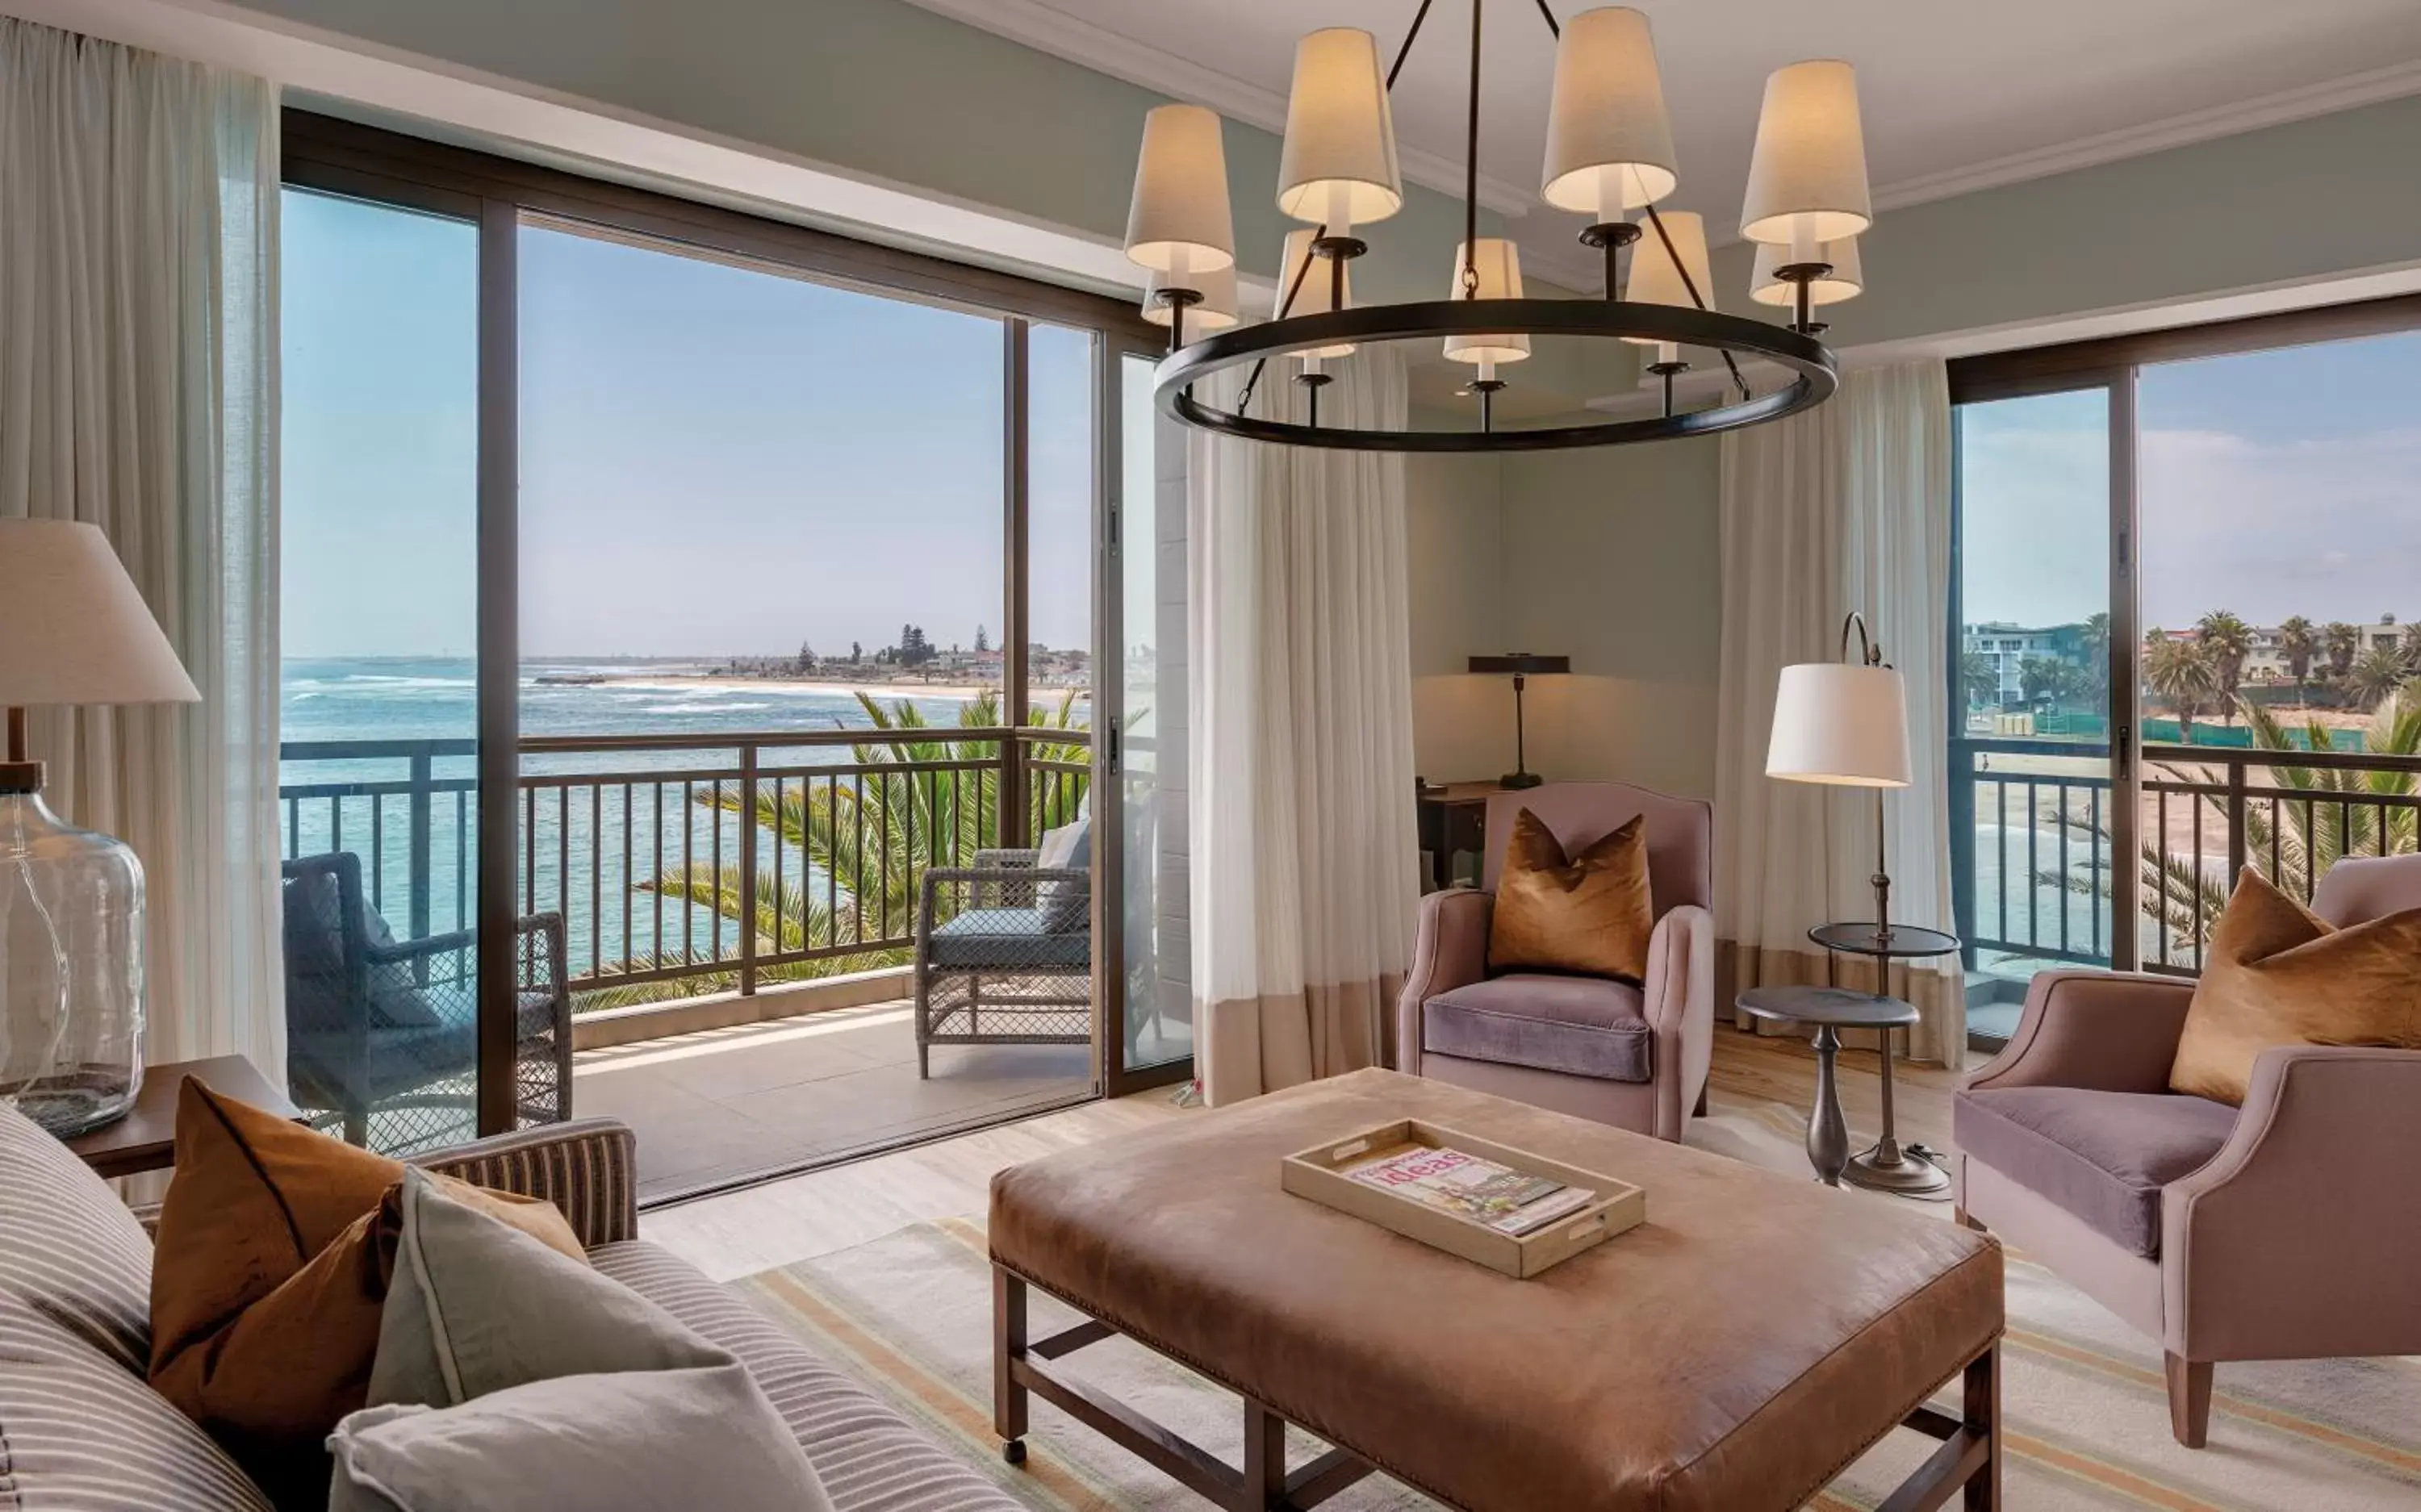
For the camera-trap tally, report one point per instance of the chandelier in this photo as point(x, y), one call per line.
point(1609, 155)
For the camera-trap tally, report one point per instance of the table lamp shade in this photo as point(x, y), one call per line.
point(73, 627)
point(1840, 723)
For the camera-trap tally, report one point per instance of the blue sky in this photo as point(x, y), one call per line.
point(2271, 484)
point(714, 459)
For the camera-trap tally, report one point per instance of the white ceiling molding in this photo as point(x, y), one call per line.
point(498, 111)
point(1047, 29)
point(2394, 81)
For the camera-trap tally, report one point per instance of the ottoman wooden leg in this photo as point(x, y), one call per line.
point(1007, 1346)
point(1265, 1474)
point(1968, 1464)
point(1982, 1409)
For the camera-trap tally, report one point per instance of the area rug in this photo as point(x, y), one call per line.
point(2086, 1416)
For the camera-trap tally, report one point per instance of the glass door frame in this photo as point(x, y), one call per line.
point(498, 194)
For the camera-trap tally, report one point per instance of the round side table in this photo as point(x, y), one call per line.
point(1829, 1009)
point(1888, 1167)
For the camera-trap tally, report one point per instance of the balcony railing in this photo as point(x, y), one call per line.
point(685, 864)
point(2033, 866)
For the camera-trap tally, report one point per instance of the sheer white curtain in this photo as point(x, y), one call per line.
point(1304, 859)
point(138, 391)
point(1845, 507)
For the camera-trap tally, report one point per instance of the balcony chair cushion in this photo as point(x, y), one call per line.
point(268, 1287)
point(1579, 1025)
point(1066, 905)
point(1007, 940)
point(2102, 1156)
point(1590, 913)
point(316, 968)
point(2281, 974)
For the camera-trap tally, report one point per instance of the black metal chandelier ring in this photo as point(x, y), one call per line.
point(1804, 355)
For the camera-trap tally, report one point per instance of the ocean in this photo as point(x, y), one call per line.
point(584, 847)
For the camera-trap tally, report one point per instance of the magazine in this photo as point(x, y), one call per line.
point(1509, 1201)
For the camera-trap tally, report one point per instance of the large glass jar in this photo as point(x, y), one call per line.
point(71, 964)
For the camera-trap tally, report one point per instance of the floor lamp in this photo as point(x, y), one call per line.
point(1844, 723)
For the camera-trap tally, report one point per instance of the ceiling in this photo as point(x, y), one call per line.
point(1957, 94)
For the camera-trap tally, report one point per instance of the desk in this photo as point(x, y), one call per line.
point(1453, 821)
point(146, 1138)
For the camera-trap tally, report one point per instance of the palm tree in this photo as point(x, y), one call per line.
point(2300, 639)
point(2376, 674)
point(2180, 672)
point(2344, 644)
point(2410, 648)
point(2226, 641)
point(2094, 645)
point(1980, 675)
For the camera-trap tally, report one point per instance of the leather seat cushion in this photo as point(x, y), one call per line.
point(1578, 1025)
point(2102, 1156)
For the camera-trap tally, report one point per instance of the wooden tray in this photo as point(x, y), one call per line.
point(1314, 1173)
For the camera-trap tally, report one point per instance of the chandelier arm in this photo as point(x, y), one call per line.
point(1548, 11)
point(1674, 255)
point(1405, 51)
point(1244, 399)
point(1471, 169)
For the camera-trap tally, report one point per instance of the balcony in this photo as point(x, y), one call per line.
point(2033, 875)
point(738, 922)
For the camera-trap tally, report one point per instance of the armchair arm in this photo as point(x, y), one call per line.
point(2297, 1239)
point(2101, 1030)
point(587, 1168)
point(1679, 997)
point(1450, 950)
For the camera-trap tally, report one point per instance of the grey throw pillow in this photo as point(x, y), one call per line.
point(671, 1441)
point(1066, 904)
point(553, 1386)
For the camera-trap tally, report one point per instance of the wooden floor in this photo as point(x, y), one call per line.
point(784, 1222)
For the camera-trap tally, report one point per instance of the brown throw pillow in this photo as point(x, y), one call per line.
point(269, 1273)
point(2280, 975)
point(1590, 914)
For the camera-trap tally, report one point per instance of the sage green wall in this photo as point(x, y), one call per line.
point(1462, 726)
point(883, 88)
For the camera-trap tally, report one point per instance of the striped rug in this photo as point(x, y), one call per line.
point(2086, 1416)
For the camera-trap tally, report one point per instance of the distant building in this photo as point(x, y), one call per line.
point(2009, 646)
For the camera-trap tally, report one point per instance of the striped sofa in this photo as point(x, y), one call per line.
point(80, 1431)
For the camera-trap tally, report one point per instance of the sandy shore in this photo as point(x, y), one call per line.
point(680, 682)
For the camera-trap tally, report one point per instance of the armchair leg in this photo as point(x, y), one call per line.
point(2190, 1400)
point(1700, 1110)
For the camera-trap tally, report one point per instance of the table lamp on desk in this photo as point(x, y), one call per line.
point(1522, 667)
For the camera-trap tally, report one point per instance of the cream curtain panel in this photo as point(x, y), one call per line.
point(1847, 507)
point(1305, 858)
point(138, 391)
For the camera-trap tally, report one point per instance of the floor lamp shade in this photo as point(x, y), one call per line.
point(1840, 723)
point(73, 631)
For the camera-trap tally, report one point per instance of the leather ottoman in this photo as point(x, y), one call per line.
point(1735, 1352)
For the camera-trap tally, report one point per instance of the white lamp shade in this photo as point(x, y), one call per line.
point(1499, 267)
point(1656, 279)
point(1808, 176)
point(1339, 157)
point(73, 627)
point(1841, 724)
point(1180, 218)
point(1315, 295)
point(1846, 281)
point(1609, 142)
point(1216, 310)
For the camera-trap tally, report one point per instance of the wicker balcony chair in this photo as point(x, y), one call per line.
point(1004, 955)
point(380, 1027)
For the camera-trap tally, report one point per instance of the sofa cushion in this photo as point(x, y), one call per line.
point(69, 1250)
point(2102, 1156)
point(79, 1431)
point(869, 1455)
point(1579, 1025)
point(1006, 940)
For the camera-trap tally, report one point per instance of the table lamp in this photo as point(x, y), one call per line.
point(1522, 665)
point(73, 631)
point(1844, 723)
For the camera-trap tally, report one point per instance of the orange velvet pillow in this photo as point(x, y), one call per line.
point(1590, 914)
point(2280, 975)
point(269, 1276)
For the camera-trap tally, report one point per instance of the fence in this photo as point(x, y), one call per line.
point(690, 863)
point(2033, 866)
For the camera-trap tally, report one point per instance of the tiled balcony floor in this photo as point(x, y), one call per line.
point(726, 1104)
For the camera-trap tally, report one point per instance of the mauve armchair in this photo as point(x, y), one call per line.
point(2286, 1229)
point(1634, 1057)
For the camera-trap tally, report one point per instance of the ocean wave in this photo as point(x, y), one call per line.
point(402, 684)
point(699, 709)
